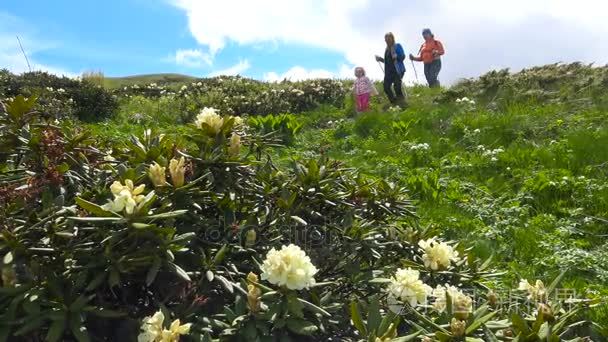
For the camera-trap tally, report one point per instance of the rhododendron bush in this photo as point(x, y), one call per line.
point(207, 238)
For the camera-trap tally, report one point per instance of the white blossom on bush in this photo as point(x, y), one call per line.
point(436, 254)
point(211, 118)
point(420, 147)
point(289, 267)
point(177, 170)
point(407, 286)
point(536, 292)
point(461, 303)
point(126, 197)
point(157, 174)
point(152, 329)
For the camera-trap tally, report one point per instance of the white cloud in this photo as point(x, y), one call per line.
point(478, 34)
point(234, 70)
point(192, 58)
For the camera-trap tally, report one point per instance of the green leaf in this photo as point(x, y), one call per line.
point(443, 337)
point(170, 214)
point(310, 306)
point(31, 325)
point(555, 282)
point(95, 219)
point(544, 331)
point(373, 314)
point(471, 328)
point(93, 208)
point(219, 256)
point(56, 330)
point(294, 305)
point(407, 338)
point(227, 284)
point(105, 313)
point(79, 331)
point(380, 281)
point(178, 270)
point(355, 316)
point(299, 220)
point(153, 271)
point(96, 281)
point(301, 327)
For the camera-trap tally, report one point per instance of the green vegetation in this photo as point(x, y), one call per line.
point(165, 79)
point(432, 222)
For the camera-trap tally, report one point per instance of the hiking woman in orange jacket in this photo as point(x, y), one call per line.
point(430, 54)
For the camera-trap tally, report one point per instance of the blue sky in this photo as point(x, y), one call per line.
point(126, 37)
point(272, 39)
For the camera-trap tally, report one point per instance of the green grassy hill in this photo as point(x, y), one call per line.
point(117, 82)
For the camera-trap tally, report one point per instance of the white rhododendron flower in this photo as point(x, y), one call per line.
point(152, 329)
point(157, 174)
point(437, 254)
point(126, 197)
point(290, 267)
point(235, 144)
point(177, 170)
point(536, 292)
point(407, 286)
point(461, 303)
point(211, 118)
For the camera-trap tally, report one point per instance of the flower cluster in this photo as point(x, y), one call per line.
point(289, 267)
point(488, 153)
point(536, 292)
point(407, 286)
point(436, 254)
point(127, 197)
point(465, 101)
point(420, 147)
point(209, 117)
point(152, 329)
point(461, 303)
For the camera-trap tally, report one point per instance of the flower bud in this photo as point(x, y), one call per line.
point(462, 306)
point(177, 169)
point(458, 327)
point(253, 294)
point(492, 298)
point(235, 145)
point(250, 238)
point(9, 277)
point(157, 174)
point(546, 311)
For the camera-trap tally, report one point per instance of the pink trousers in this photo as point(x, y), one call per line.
point(363, 102)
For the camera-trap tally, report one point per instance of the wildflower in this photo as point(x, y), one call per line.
point(152, 329)
point(289, 267)
point(536, 292)
point(235, 145)
point(238, 121)
point(8, 276)
point(407, 286)
point(250, 238)
point(209, 117)
point(462, 304)
point(437, 254)
point(458, 327)
point(157, 174)
point(126, 197)
point(253, 293)
point(177, 169)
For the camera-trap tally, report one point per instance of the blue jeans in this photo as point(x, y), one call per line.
point(431, 72)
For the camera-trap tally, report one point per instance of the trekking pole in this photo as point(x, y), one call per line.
point(381, 67)
point(415, 72)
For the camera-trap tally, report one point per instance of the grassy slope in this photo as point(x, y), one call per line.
point(540, 206)
point(117, 82)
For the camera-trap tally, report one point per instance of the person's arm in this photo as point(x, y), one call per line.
point(400, 53)
point(440, 49)
point(379, 59)
point(419, 57)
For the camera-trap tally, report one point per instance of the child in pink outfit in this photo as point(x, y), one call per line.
point(363, 90)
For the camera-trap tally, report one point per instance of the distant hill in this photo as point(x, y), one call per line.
point(117, 82)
